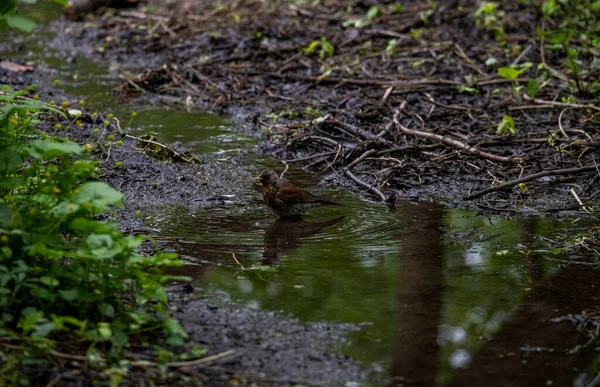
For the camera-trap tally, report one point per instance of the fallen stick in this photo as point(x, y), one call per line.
point(561, 104)
point(369, 187)
point(454, 143)
point(511, 183)
point(356, 130)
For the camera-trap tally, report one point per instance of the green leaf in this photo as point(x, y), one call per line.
point(104, 330)
point(119, 338)
point(506, 125)
point(98, 194)
point(490, 61)
point(395, 8)
point(467, 89)
point(373, 12)
point(10, 161)
point(532, 88)
point(49, 149)
point(107, 310)
point(20, 22)
point(509, 72)
point(49, 281)
point(7, 6)
point(64, 3)
point(31, 317)
point(326, 48)
point(5, 216)
point(64, 208)
point(44, 329)
point(311, 47)
point(69, 294)
point(86, 226)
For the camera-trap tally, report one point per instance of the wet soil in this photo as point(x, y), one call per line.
point(406, 104)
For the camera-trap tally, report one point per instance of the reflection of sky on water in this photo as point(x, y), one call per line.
point(459, 358)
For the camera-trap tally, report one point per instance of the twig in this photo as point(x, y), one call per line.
point(287, 166)
point(142, 15)
point(177, 154)
point(203, 18)
point(356, 130)
point(310, 157)
point(147, 363)
point(365, 185)
point(361, 158)
point(454, 107)
point(522, 54)
point(562, 104)
point(141, 363)
point(454, 143)
point(528, 178)
point(238, 262)
point(560, 124)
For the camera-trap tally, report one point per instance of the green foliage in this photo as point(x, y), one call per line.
point(372, 13)
point(491, 18)
point(467, 90)
point(326, 48)
point(427, 14)
point(62, 271)
point(507, 125)
point(532, 88)
point(390, 49)
point(9, 18)
point(575, 33)
point(513, 73)
point(509, 72)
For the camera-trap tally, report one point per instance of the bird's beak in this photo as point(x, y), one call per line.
point(258, 178)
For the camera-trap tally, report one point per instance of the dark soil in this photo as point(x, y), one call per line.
point(413, 117)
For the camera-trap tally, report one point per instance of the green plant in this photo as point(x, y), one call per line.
point(513, 73)
point(491, 18)
point(427, 14)
point(507, 125)
point(10, 19)
point(574, 32)
point(372, 13)
point(326, 48)
point(64, 273)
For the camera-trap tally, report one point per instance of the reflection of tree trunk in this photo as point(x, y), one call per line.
point(501, 362)
point(419, 295)
point(534, 266)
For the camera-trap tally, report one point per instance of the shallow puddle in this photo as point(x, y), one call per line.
point(444, 296)
point(433, 286)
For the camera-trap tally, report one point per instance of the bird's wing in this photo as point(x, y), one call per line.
point(289, 192)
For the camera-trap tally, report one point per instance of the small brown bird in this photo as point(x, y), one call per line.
point(285, 199)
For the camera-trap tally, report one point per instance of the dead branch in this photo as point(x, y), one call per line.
point(454, 143)
point(512, 183)
point(361, 183)
point(561, 104)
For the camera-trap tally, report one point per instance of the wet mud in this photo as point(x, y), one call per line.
point(403, 105)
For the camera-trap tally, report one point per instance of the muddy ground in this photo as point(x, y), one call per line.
point(405, 103)
point(356, 117)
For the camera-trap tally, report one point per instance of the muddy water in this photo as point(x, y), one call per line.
point(444, 297)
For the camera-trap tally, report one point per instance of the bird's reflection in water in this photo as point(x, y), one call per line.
point(285, 235)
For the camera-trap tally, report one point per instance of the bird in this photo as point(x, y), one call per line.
point(285, 199)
